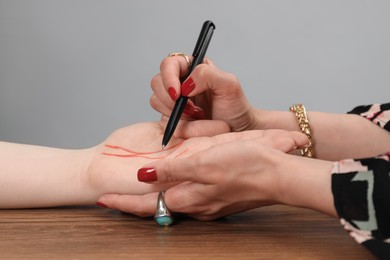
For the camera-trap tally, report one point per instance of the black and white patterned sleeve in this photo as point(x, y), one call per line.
point(361, 190)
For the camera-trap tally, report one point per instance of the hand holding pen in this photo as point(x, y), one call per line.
point(217, 94)
point(198, 56)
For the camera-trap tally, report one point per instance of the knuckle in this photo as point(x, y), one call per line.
point(233, 78)
point(153, 101)
point(234, 83)
point(170, 168)
point(201, 70)
point(154, 82)
point(164, 62)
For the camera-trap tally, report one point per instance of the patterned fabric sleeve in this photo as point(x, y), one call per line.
point(378, 114)
point(361, 190)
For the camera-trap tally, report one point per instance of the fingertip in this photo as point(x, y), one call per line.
point(198, 113)
point(101, 204)
point(188, 86)
point(107, 201)
point(147, 174)
point(208, 62)
point(301, 139)
point(173, 93)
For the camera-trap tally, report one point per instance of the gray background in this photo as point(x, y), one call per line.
point(71, 72)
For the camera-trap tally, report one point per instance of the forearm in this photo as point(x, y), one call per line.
point(35, 176)
point(336, 136)
point(308, 185)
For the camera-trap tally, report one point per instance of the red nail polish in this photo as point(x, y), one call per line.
point(189, 109)
point(172, 93)
point(187, 86)
point(198, 113)
point(147, 174)
point(100, 204)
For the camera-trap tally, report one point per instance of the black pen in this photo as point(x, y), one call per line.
point(198, 55)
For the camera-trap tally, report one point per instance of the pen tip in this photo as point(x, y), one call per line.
point(163, 146)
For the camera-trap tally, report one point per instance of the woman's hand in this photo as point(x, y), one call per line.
point(115, 162)
point(214, 94)
point(239, 172)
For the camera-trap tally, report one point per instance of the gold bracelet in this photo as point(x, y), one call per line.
point(300, 113)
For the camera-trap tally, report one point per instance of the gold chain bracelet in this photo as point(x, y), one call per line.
point(303, 123)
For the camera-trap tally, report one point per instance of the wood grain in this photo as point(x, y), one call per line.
point(275, 232)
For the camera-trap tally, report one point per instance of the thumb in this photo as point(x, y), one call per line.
point(170, 171)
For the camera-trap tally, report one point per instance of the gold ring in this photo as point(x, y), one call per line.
point(181, 54)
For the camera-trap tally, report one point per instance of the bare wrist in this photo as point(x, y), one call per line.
point(84, 193)
point(306, 182)
point(257, 119)
point(272, 119)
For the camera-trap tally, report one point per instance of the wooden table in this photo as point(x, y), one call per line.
point(276, 232)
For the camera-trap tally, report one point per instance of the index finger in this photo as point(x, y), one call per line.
point(172, 69)
point(139, 205)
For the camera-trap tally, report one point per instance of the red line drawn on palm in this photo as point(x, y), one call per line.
point(154, 155)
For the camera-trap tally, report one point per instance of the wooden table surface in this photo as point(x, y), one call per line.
point(276, 232)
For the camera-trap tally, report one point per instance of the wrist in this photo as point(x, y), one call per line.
point(84, 194)
point(257, 119)
point(308, 185)
point(272, 119)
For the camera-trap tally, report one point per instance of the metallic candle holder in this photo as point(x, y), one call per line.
point(163, 216)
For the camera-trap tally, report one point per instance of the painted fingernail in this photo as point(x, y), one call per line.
point(187, 86)
point(198, 113)
point(189, 109)
point(100, 204)
point(147, 174)
point(172, 93)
